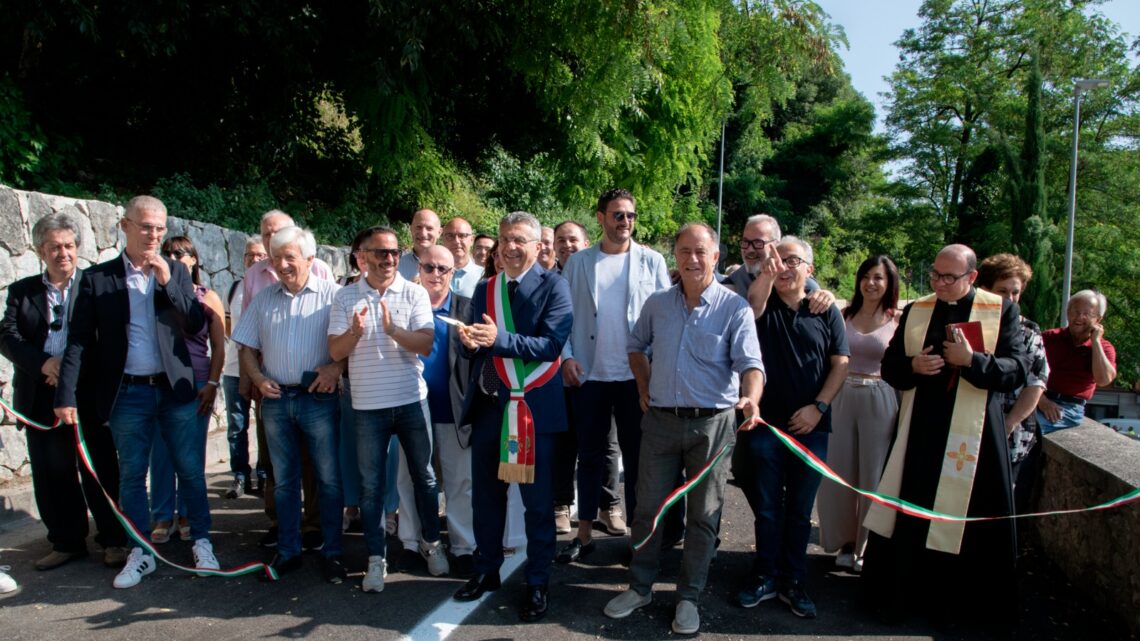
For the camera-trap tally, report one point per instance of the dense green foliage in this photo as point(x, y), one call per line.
point(351, 113)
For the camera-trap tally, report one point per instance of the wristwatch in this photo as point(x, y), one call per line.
point(821, 406)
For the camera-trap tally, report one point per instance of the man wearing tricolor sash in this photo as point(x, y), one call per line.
point(951, 355)
point(518, 322)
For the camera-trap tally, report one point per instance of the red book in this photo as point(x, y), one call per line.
point(971, 331)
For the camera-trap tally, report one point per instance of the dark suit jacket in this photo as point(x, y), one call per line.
point(97, 341)
point(542, 313)
point(458, 367)
point(22, 335)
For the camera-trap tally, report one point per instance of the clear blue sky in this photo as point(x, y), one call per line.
point(872, 26)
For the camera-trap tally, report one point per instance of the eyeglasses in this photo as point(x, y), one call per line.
point(515, 240)
point(946, 279)
point(379, 254)
point(432, 268)
point(178, 254)
point(622, 216)
point(792, 262)
point(57, 313)
point(455, 235)
point(757, 243)
point(256, 255)
point(149, 230)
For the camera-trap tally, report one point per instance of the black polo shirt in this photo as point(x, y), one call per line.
point(797, 347)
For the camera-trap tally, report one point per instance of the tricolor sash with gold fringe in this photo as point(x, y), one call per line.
point(516, 449)
point(956, 480)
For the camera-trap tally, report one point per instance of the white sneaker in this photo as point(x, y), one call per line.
point(204, 558)
point(436, 558)
point(625, 603)
point(686, 619)
point(374, 578)
point(7, 583)
point(139, 564)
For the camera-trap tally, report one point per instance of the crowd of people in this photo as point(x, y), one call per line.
point(518, 373)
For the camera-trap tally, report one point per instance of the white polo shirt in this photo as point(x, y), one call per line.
point(383, 374)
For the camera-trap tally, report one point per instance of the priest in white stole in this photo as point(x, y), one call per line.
point(950, 455)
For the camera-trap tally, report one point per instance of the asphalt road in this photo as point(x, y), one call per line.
point(78, 602)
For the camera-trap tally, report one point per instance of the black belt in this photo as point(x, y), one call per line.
point(691, 412)
point(154, 380)
point(1064, 398)
point(295, 390)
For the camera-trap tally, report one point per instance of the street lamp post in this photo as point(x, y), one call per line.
point(1079, 85)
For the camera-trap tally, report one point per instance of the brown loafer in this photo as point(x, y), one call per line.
point(115, 556)
point(55, 558)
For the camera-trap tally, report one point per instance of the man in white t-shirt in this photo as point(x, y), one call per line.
point(609, 283)
point(382, 324)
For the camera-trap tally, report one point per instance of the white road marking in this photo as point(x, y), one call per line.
point(446, 617)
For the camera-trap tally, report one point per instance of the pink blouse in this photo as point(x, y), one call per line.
point(867, 349)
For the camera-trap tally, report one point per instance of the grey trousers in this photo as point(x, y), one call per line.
point(668, 445)
point(863, 418)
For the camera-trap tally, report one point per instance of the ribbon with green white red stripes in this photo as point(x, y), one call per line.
point(516, 449)
point(132, 531)
point(905, 507)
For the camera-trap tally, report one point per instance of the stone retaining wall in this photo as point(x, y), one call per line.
point(220, 251)
point(1098, 551)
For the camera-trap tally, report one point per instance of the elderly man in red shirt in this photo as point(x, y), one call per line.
point(1079, 358)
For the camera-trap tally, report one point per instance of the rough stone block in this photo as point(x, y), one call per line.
point(175, 227)
point(211, 246)
point(27, 263)
point(13, 452)
point(220, 283)
point(104, 220)
point(108, 254)
point(39, 205)
point(7, 270)
point(235, 243)
point(13, 233)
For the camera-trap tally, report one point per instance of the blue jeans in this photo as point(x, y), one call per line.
point(349, 470)
point(164, 495)
point(237, 430)
point(295, 416)
point(780, 489)
point(1071, 416)
point(143, 414)
point(374, 431)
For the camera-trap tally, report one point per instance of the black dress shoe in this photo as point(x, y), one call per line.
point(477, 586)
point(574, 550)
point(535, 604)
point(284, 566)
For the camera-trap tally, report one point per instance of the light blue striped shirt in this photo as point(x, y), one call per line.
point(290, 331)
point(57, 299)
point(697, 356)
point(143, 358)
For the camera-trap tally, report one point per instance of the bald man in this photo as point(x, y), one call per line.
point(950, 453)
point(425, 234)
point(458, 239)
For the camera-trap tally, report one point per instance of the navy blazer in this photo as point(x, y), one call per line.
point(22, 335)
point(92, 367)
point(543, 315)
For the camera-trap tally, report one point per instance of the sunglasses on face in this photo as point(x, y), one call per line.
point(622, 216)
point(178, 254)
point(379, 254)
point(432, 268)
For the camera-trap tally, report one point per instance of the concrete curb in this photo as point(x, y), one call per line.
point(18, 501)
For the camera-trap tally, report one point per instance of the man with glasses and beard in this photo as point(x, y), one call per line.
point(953, 355)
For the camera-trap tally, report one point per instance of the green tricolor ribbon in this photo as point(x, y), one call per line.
point(139, 539)
point(905, 507)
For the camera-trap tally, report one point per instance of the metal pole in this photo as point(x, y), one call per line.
point(720, 190)
point(1068, 277)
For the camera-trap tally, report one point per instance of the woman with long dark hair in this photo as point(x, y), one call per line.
point(207, 357)
point(863, 414)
